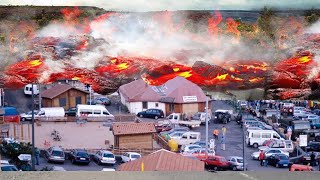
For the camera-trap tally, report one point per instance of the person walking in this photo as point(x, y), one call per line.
point(223, 143)
point(312, 159)
point(216, 133)
point(261, 157)
point(37, 153)
point(224, 130)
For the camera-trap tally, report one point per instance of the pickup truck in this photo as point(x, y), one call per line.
point(176, 118)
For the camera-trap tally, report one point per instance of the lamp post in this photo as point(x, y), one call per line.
point(33, 149)
point(243, 141)
point(207, 106)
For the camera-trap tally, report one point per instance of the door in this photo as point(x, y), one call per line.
point(184, 139)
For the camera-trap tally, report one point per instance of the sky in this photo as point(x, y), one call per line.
point(159, 5)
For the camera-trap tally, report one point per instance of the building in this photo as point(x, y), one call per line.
point(163, 160)
point(63, 95)
point(177, 95)
point(131, 135)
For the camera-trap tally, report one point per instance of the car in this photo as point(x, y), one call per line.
point(216, 162)
point(71, 111)
point(151, 113)
point(254, 128)
point(163, 127)
point(5, 162)
point(268, 153)
point(28, 116)
point(200, 153)
point(278, 160)
point(55, 154)
point(236, 163)
point(310, 117)
point(79, 156)
point(108, 169)
point(101, 100)
point(314, 146)
point(202, 144)
point(130, 156)
point(222, 116)
point(104, 157)
point(316, 112)
point(8, 167)
point(306, 158)
point(268, 142)
point(185, 129)
point(189, 147)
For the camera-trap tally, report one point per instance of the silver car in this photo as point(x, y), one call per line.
point(236, 163)
point(55, 154)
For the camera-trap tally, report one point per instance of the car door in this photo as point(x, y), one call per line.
point(125, 157)
point(148, 113)
point(97, 156)
point(272, 159)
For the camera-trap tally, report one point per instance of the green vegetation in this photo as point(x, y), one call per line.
point(312, 15)
point(265, 21)
point(244, 27)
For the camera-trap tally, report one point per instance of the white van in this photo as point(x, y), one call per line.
point(28, 89)
point(51, 112)
point(256, 138)
point(187, 138)
point(284, 145)
point(84, 111)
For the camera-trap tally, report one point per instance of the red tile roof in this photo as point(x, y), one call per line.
point(163, 160)
point(133, 128)
point(138, 91)
point(57, 90)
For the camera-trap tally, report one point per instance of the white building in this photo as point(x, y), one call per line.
point(177, 95)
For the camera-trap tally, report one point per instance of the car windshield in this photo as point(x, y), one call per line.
point(82, 154)
point(223, 159)
point(240, 160)
point(283, 157)
point(8, 168)
point(107, 155)
point(57, 153)
point(136, 156)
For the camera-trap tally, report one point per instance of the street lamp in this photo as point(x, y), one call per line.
point(207, 106)
point(33, 149)
point(243, 140)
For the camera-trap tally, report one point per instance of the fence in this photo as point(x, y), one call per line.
point(161, 141)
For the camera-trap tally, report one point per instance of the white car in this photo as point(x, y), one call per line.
point(108, 169)
point(268, 153)
point(28, 116)
point(6, 162)
point(130, 156)
point(310, 117)
point(105, 157)
point(189, 147)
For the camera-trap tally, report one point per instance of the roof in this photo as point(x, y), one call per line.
point(130, 128)
point(163, 160)
point(58, 89)
point(172, 91)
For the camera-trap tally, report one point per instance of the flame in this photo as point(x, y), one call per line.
point(35, 63)
point(304, 59)
point(255, 80)
point(232, 27)
point(213, 23)
point(232, 69)
point(176, 69)
point(221, 77)
point(76, 78)
point(122, 66)
point(186, 74)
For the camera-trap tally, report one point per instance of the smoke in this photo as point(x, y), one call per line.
point(314, 28)
point(142, 36)
point(60, 30)
point(52, 67)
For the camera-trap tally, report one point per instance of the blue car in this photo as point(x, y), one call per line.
point(279, 160)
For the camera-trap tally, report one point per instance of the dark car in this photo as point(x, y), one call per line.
point(316, 112)
point(71, 112)
point(79, 156)
point(278, 160)
point(8, 167)
point(101, 100)
point(314, 146)
point(151, 113)
point(307, 159)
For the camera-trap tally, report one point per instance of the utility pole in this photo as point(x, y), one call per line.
point(207, 106)
point(243, 141)
point(33, 149)
point(40, 97)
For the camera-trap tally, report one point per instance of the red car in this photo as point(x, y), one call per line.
point(216, 162)
point(162, 128)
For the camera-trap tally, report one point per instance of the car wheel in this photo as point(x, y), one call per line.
point(72, 161)
point(141, 115)
point(156, 117)
point(215, 168)
point(234, 168)
point(23, 119)
point(255, 145)
point(277, 165)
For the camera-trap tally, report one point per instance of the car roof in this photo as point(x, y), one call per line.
point(4, 162)
point(106, 152)
point(236, 157)
point(54, 148)
point(80, 150)
point(135, 153)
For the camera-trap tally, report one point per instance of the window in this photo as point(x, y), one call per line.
point(106, 113)
point(78, 100)
point(144, 105)
point(171, 107)
point(157, 104)
point(97, 112)
point(276, 136)
point(175, 117)
point(184, 137)
point(256, 135)
point(85, 111)
point(62, 102)
point(193, 136)
point(266, 135)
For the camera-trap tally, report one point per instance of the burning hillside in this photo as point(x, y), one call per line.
point(213, 51)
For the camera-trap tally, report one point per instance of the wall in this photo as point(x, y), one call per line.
point(143, 141)
point(190, 109)
point(70, 99)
